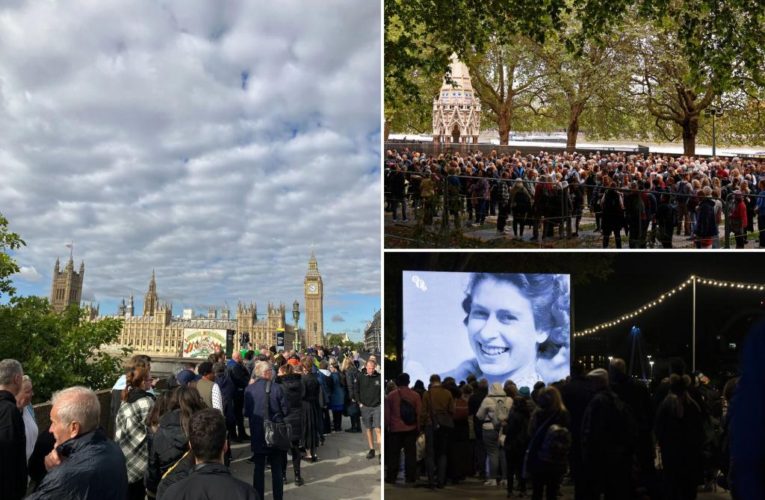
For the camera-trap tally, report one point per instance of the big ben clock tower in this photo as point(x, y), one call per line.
point(314, 304)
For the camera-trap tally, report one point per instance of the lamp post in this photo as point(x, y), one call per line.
point(650, 363)
point(714, 111)
point(296, 317)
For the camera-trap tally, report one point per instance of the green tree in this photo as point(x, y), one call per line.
point(669, 89)
point(507, 77)
point(575, 82)
point(716, 45)
point(409, 100)
point(8, 242)
point(56, 350)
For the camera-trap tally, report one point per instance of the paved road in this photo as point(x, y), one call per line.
point(473, 489)
point(342, 472)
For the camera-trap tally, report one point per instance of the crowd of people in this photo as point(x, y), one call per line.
point(649, 198)
point(172, 437)
point(603, 431)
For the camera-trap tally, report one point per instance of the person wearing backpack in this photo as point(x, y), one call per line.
point(609, 435)
point(403, 409)
point(493, 413)
point(549, 446)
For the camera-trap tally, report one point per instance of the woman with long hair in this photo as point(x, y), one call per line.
point(170, 442)
point(131, 430)
point(550, 443)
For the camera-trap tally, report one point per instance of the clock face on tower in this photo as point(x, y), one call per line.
point(313, 288)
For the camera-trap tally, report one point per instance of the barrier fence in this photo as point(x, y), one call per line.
point(560, 214)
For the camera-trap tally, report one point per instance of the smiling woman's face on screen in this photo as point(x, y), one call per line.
point(501, 329)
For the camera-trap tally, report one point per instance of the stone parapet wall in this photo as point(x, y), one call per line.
point(42, 412)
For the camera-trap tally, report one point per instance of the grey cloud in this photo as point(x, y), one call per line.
point(29, 273)
point(136, 140)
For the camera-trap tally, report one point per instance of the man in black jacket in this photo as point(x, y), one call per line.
point(369, 401)
point(85, 464)
point(13, 477)
point(209, 479)
point(239, 376)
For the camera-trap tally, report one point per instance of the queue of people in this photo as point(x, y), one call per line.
point(648, 198)
point(603, 432)
point(173, 440)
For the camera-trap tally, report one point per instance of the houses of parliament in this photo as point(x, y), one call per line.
point(157, 332)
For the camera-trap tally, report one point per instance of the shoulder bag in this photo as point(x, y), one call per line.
point(278, 435)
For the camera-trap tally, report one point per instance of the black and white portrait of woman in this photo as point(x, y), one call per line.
point(494, 326)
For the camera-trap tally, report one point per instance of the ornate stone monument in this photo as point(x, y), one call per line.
point(457, 110)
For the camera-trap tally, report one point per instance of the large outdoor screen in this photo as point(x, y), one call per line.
point(200, 343)
point(494, 326)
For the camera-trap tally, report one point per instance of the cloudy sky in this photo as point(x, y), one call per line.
point(216, 142)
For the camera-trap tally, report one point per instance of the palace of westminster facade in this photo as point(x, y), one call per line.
point(157, 332)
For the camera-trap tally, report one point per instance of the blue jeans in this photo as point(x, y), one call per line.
point(277, 460)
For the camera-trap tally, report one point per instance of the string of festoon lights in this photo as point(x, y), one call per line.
point(733, 285)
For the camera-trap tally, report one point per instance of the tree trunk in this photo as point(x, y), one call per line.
point(690, 129)
point(503, 126)
point(386, 130)
point(571, 134)
point(573, 126)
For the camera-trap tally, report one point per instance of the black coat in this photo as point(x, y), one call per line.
point(255, 407)
point(680, 434)
point(239, 376)
point(312, 418)
point(292, 386)
point(168, 446)
point(13, 457)
point(228, 393)
point(210, 482)
point(397, 184)
point(609, 432)
point(92, 467)
point(177, 473)
point(576, 395)
point(351, 381)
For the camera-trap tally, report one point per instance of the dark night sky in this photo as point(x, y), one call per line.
point(723, 315)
